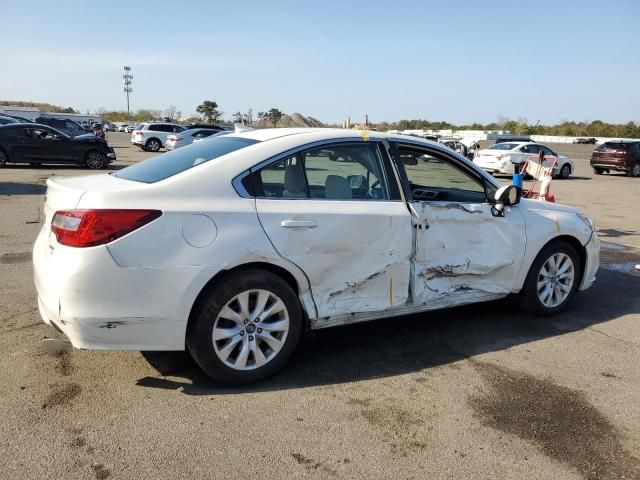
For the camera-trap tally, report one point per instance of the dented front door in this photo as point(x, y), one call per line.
point(463, 253)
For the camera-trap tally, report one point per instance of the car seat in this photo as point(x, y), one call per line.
point(294, 184)
point(337, 187)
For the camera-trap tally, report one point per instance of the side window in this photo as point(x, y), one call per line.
point(547, 151)
point(335, 172)
point(155, 128)
point(530, 149)
point(433, 176)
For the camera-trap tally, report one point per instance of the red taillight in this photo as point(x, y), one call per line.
point(88, 228)
point(139, 132)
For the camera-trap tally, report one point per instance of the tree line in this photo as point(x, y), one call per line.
point(596, 128)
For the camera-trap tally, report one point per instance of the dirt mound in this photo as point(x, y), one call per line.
point(295, 120)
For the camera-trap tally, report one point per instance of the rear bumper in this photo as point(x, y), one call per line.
point(592, 262)
point(101, 306)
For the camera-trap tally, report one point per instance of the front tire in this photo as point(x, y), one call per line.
point(95, 160)
point(552, 280)
point(565, 171)
point(246, 328)
point(153, 145)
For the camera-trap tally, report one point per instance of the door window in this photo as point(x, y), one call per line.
point(546, 150)
point(336, 172)
point(530, 149)
point(433, 176)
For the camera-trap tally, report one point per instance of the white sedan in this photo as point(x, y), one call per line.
point(500, 159)
point(232, 247)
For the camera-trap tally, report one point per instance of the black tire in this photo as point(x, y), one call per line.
point(153, 145)
point(94, 159)
point(565, 171)
point(529, 299)
point(598, 170)
point(4, 158)
point(199, 339)
point(634, 171)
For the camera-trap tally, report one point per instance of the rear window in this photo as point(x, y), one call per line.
point(170, 163)
point(503, 146)
point(616, 146)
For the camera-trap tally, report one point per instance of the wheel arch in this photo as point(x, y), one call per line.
point(280, 271)
point(154, 138)
point(577, 246)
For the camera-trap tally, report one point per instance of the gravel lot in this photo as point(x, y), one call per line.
point(476, 392)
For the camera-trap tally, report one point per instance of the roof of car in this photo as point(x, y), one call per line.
point(264, 134)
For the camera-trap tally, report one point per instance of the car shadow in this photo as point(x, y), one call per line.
point(405, 345)
point(12, 188)
point(615, 233)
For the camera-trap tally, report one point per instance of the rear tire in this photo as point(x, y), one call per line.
point(153, 145)
point(598, 171)
point(238, 344)
point(552, 280)
point(634, 171)
point(95, 160)
point(565, 171)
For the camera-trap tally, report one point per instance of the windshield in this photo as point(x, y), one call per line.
point(503, 146)
point(169, 164)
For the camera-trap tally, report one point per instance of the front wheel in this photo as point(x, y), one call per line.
point(565, 171)
point(635, 170)
point(246, 328)
point(552, 279)
point(95, 160)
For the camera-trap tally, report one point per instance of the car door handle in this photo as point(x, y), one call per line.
point(298, 223)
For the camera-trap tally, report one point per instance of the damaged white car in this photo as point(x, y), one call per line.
point(230, 248)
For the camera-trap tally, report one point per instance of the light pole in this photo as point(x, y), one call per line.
point(127, 78)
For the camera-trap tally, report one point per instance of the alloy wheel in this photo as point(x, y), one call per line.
point(635, 170)
point(153, 145)
point(555, 280)
point(250, 330)
point(95, 160)
point(565, 171)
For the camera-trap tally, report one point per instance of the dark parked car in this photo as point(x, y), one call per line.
point(99, 130)
point(586, 141)
point(33, 143)
point(619, 155)
point(68, 127)
point(4, 120)
point(16, 117)
point(217, 128)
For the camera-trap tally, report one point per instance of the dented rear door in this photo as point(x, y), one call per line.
point(332, 212)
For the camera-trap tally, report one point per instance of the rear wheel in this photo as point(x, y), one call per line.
point(246, 329)
point(95, 160)
point(598, 170)
point(565, 171)
point(635, 170)
point(552, 280)
point(153, 145)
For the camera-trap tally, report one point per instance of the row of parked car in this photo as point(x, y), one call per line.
point(151, 137)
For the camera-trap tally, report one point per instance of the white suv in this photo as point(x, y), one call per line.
point(152, 136)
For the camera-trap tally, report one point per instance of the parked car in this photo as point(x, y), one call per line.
point(68, 127)
point(17, 117)
point(153, 136)
point(7, 120)
point(501, 158)
point(244, 240)
point(208, 126)
point(36, 144)
point(131, 128)
point(623, 156)
point(588, 141)
point(123, 128)
point(109, 127)
point(455, 145)
point(187, 137)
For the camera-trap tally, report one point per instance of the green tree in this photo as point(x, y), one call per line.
point(273, 116)
point(209, 110)
point(238, 117)
point(248, 117)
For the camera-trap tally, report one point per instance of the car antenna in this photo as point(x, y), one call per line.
point(240, 127)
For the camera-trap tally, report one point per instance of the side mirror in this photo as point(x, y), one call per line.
point(505, 196)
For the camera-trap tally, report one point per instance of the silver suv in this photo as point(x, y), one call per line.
point(153, 136)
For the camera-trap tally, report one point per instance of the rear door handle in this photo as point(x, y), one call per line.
point(298, 223)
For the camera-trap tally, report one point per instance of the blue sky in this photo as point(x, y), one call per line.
point(461, 61)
